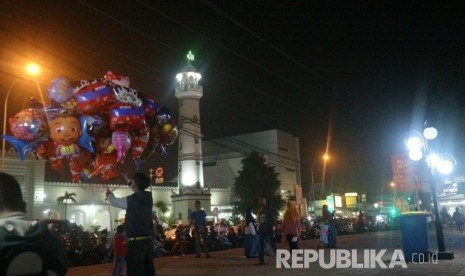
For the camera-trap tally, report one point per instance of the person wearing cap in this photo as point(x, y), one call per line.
point(138, 225)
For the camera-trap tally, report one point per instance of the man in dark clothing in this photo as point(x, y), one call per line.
point(16, 232)
point(459, 219)
point(265, 228)
point(360, 222)
point(138, 225)
point(197, 219)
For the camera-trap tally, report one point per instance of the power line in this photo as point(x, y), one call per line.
point(241, 143)
point(229, 75)
point(248, 30)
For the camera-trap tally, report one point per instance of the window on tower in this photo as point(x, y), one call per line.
point(195, 119)
point(196, 140)
point(197, 162)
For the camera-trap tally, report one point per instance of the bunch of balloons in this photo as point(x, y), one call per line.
point(94, 125)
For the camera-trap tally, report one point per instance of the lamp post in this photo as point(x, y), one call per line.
point(417, 144)
point(5, 113)
point(32, 69)
point(325, 158)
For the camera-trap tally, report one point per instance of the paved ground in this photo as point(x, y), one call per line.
point(231, 262)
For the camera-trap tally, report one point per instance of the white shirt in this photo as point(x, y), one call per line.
point(117, 202)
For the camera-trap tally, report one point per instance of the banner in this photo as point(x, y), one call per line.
point(404, 173)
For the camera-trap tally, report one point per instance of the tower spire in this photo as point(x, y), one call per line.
point(190, 165)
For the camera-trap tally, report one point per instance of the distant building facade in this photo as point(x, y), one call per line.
point(222, 162)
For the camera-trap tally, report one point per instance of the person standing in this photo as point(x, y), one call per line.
point(291, 225)
point(265, 228)
point(459, 219)
point(138, 225)
point(157, 228)
point(328, 219)
point(197, 219)
point(16, 230)
point(360, 222)
point(250, 235)
point(119, 251)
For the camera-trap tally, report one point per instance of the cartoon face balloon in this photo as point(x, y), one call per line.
point(65, 130)
point(60, 90)
point(28, 124)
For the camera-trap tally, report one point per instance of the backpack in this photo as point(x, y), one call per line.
point(22, 255)
point(22, 259)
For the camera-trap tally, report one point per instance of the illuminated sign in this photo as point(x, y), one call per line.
point(190, 56)
point(338, 201)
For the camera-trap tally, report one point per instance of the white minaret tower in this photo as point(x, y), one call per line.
point(190, 168)
point(188, 93)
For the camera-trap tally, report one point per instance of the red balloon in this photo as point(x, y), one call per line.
point(125, 117)
point(106, 166)
point(139, 142)
point(81, 164)
point(94, 97)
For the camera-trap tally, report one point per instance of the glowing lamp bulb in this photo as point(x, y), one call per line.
point(414, 143)
point(415, 155)
point(430, 133)
point(445, 167)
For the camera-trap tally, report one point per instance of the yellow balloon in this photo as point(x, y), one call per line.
point(167, 128)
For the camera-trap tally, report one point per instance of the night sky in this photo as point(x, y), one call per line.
point(354, 76)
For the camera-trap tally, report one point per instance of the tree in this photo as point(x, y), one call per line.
point(255, 178)
point(65, 199)
point(162, 208)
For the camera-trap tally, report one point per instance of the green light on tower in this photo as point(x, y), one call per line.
point(190, 56)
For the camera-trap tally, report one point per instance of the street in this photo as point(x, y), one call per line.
point(231, 262)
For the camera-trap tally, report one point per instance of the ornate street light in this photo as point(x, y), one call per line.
point(417, 144)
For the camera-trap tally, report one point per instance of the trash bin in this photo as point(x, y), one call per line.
point(414, 230)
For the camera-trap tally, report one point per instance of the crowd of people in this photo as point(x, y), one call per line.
point(142, 237)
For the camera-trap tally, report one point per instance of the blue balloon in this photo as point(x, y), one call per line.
point(162, 150)
point(85, 140)
point(163, 115)
point(60, 90)
point(138, 162)
point(24, 147)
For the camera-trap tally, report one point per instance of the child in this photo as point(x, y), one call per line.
point(119, 251)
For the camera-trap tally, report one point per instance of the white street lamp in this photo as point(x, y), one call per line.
point(417, 144)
